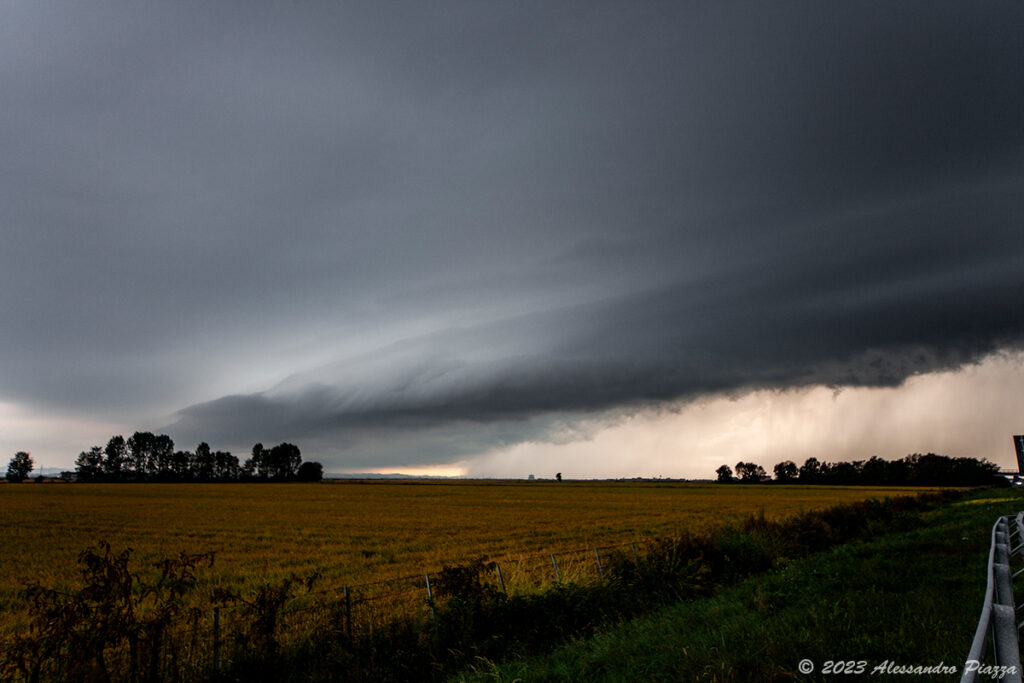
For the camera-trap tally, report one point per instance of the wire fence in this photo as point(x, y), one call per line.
point(210, 640)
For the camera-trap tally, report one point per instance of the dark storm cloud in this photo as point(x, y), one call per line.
point(903, 301)
point(418, 232)
point(899, 303)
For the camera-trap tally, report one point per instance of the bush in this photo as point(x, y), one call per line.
point(115, 626)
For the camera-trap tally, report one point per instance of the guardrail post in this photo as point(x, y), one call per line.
point(554, 563)
point(600, 569)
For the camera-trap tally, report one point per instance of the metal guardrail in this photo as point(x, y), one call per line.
point(999, 612)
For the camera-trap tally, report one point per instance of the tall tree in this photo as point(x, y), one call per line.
point(810, 471)
point(225, 466)
point(89, 464)
point(163, 456)
point(750, 473)
point(116, 457)
point(19, 467)
point(724, 474)
point(285, 460)
point(140, 454)
point(258, 464)
point(181, 465)
point(786, 471)
point(875, 471)
point(203, 463)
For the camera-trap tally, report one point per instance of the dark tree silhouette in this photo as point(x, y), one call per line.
point(203, 463)
point(876, 471)
point(750, 473)
point(310, 471)
point(284, 459)
point(914, 470)
point(181, 465)
point(115, 458)
point(724, 474)
point(810, 471)
point(258, 463)
point(151, 457)
point(19, 467)
point(89, 464)
point(163, 457)
point(226, 466)
point(786, 471)
point(140, 449)
point(843, 472)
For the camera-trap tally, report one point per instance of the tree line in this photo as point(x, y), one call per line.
point(145, 456)
point(913, 470)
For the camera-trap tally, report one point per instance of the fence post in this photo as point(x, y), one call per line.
point(216, 641)
point(430, 594)
point(501, 579)
point(348, 613)
point(635, 555)
point(554, 563)
point(600, 569)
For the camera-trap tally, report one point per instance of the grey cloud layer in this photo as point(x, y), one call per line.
point(914, 302)
point(451, 227)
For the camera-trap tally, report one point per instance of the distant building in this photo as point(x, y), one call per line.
point(531, 477)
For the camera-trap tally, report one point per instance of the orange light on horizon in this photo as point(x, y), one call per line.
point(451, 470)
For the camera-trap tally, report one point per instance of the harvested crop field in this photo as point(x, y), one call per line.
point(353, 532)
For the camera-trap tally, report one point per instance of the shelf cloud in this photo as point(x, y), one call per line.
point(411, 235)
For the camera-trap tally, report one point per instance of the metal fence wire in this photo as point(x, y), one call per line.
point(210, 641)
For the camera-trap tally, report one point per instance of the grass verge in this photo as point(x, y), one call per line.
point(906, 597)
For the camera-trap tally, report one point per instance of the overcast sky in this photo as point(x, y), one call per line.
point(494, 238)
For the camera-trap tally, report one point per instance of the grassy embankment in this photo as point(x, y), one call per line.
point(909, 597)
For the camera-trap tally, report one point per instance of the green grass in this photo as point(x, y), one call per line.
point(912, 597)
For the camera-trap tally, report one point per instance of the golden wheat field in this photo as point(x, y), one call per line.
point(354, 532)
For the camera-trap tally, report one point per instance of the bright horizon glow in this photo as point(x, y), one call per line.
point(53, 441)
point(970, 412)
point(452, 470)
